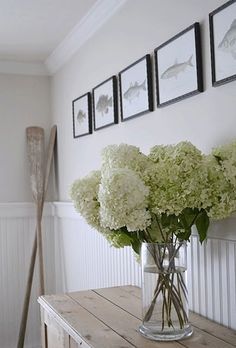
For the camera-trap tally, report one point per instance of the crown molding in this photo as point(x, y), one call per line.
point(98, 15)
point(95, 18)
point(23, 68)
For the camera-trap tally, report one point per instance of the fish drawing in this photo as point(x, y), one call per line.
point(134, 90)
point(103, 104)
point(228, 44)
point(174, 70)
point(81, 116)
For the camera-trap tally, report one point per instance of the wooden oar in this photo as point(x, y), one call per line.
point(35, 143)
point(35, 146)
point(25, 310)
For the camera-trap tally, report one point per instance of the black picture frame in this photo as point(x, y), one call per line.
point(105, 106)
point(178, 67)
point(82, 115)
point(136, 92)
point(222, 25)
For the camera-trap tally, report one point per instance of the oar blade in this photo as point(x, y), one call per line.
point(35, 149)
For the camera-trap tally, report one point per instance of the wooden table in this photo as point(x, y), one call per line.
point(110, 317)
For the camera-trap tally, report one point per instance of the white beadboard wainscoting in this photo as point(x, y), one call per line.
point(17, 230)
point(212, 274)
point(87, 261)
point(77, 258)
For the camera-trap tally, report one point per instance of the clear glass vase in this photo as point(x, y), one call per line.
point(164, 291)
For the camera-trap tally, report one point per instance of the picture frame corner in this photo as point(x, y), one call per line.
point(134, 88)
point(177, 68)
point(219, 75)
point(104, 105)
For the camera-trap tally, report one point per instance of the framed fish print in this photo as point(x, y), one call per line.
point(223, 43)
point(105, 108)
point(136, 96)
point(82, 115)
point(179, 67)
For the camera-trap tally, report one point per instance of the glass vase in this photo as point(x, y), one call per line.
point(164, 291)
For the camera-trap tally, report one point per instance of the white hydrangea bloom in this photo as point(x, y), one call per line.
point(124, 156)
point(123, 200)
point(176, 178)
point(134, 192)
point(220, 194)
point(84, 194)
point(226, 155)
point(138, 220)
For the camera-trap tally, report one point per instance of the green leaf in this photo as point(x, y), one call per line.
point(188, 217)
point(184, 235)
point(169, 220)
point(154, 232)
point(136, 245)
point(119, 240)
point(202, 224)
point(135, 239)
point(184, 222)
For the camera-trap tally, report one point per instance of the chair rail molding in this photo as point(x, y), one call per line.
point(98, 15)
point(23, 209)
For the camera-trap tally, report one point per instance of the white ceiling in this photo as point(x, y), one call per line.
point(31, 29)
point(40, 34)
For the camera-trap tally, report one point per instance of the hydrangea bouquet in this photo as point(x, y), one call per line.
point(136, 198)
point(157, 198)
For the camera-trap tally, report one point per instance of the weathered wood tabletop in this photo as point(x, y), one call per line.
point(110, 317)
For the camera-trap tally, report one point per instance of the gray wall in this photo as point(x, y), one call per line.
point(24, 102)
point(207, 119)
